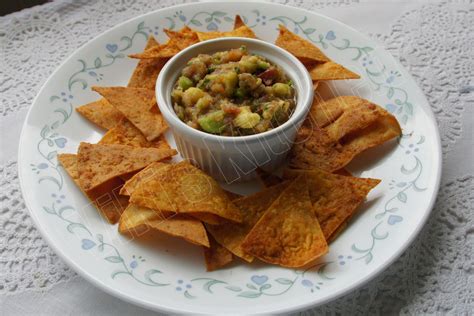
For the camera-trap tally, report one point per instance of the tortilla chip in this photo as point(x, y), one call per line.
point(138, 106)
point(106, 198)
point(242, 31)
point(183, 188)
point(288, 233)
point(216, 256)
point(252, 207)
point(331, 71)
point(339, 129)
point(98, 163)
point(137, 218)
point(144, 175)
point(238, 22)
point(125, 133)
point(178, 41)
point(299, 47)
point(315, 85)
point(335, 198)
point(147, 70)
point(101, 113)
point(183, 38)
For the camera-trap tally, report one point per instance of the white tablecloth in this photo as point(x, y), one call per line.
point(434, 41)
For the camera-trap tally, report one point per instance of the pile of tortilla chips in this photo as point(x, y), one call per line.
point(129, 177)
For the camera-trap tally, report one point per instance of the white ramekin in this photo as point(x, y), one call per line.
point(228, 158)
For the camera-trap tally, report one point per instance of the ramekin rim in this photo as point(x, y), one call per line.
point(304, 102)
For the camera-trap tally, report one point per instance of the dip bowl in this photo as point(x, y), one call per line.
point(235, 158)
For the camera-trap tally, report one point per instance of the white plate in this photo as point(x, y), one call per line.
point(169, 275)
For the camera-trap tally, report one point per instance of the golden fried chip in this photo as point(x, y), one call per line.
point(216, 256)
point(331, 71)
point(136, 219)
point(299, 47)
point(183, 188)
point(242, 31)
point(288, 233)
point(125, 133)
point(147, 70)
point(252, 207)
point(238, 22)
point(335, 198)
point(105, 198)
point(101, 113)
point(339, 129)
point(144, 175)
point(183, 38)
point(98, 163)
point(178, 41)
point(138, 106)
point(315, 85)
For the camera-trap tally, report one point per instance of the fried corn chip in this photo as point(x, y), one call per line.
point(252, 207)
point(125, 133)
point(288, 233)
point(338, 130)
point(335, 198)
point(138, 106)
point(183, 188)
point(147, 70)
point(105, 198)
point(238, 22)
point(144, 175)
point(136, 219)
point(242, 31)
point(216, 256)
point(301, 48)
point(98, 163)
point(178, 41)
point(101, 113)
point(331, 71)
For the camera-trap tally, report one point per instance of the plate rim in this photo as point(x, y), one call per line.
point(156, 306)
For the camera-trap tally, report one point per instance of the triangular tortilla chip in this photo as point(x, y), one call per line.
point(238, 22)
point(183, 188)
point(98, 163)
point(177, 42)
point(216, 256)
point(335, 198)
point(125, 133)
point(138, 106)
point(137, 218)
point(333, 135)
point(331, 71)
point(144, 175)
point(343, 115)
point(105, 198)
point(288, 233)
point(299, 47)
point(242, 31)
point(231, 235)
point(147, 70)
point(101, 113)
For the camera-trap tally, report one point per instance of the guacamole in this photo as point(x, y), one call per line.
point(233, 93)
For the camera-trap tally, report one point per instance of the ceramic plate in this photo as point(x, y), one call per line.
point(165, 274)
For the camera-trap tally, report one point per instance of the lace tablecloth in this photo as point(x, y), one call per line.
point(434, 41)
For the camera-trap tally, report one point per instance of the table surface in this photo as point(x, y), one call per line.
point(434, 41)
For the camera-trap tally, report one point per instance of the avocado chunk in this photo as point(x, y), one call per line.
point(212, 122)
